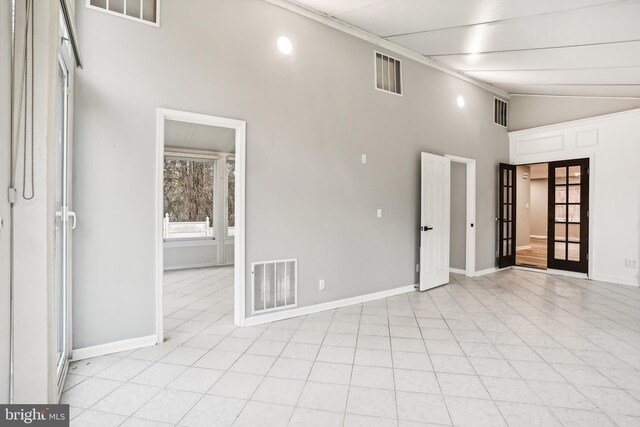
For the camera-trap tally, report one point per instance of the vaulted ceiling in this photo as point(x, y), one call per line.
point(553, 47)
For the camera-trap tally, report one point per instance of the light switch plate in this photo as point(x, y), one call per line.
point(364, 159)
point(379, 213)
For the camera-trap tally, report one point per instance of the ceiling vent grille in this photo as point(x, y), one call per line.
point(388, 74)
point(275, 284)
point(500, 109)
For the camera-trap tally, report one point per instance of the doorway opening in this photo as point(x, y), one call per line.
point(544, 216)
point(532, 213)
point(200, 224)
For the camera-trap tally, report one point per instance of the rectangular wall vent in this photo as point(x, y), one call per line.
point(500, 112)
point(388, 74)
point(275, 284)
point(138, 10)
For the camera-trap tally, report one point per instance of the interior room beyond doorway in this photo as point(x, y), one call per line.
point(532, 215)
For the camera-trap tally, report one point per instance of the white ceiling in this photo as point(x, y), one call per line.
point(199, 137)
point(552, 47)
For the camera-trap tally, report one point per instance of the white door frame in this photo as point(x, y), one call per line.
point(470, 258)
point(239, 126)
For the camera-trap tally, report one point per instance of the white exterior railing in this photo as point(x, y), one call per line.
point(186, 230)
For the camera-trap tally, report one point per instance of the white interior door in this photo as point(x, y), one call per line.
point(435, 207)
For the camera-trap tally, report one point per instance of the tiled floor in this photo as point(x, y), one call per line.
point(512, 348)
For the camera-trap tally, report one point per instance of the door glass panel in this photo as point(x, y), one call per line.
point(505, 194)
point(574, 233)
point(574, 252)
point(561, 175)
point(59, 236)
point(574, 194)
point(561, 213)
point(510, 247)
point(574, 174)
point(561, 231)
point(574, 213)
point(561, 194)
point(559, 252)
point(505, 229)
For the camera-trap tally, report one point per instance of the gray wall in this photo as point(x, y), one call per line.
point(523, 212)
point(5, 166)
point(539, 208)
point(309, 118)
point(528, 111)
point(457, 254)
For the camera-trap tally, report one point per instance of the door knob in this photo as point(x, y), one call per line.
point(424, 228)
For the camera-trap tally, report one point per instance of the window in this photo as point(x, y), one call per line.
point(188, 198)
point(231, 194)
point(139, 10)
point(388, 74)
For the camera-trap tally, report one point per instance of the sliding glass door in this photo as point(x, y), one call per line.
point(64, 222)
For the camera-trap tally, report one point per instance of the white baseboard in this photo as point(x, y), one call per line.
point(618, 280)
point(521, 248)
point(457, 271)
point(534, 236)
point(310, 309)
point(488, 271)
point(185, 267)
point(113, 347)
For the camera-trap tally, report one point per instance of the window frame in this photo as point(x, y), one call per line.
point(186, 156)
point(124, 15)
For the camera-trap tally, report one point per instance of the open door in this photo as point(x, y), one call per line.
point(435, 207)
point(507, 216)
point(568, 226)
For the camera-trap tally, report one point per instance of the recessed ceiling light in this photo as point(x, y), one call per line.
point(284, 45)
point(460, 101)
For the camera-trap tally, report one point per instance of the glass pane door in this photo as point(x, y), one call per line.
point(568, 215)
point(61, 225)
point(507, 216)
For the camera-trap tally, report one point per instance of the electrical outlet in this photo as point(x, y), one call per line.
point(417, 268)
point(321, 285)
point(379, 213)
point(631, 263)
point(364, 159)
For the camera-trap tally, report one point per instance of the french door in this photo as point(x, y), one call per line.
point(65, 221)
point(435, 207)
point(507, 216)
point(568, 219)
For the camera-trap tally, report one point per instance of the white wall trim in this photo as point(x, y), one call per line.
point(240, 128)
point(113, 347)
point(520, 248)
point(316, 308)
point(383, 43)
point(470, 246)
point(187, 266)
point(536, 95)
point(617, 280)
point(488, 271)
point(535, 236)
point(457, 271)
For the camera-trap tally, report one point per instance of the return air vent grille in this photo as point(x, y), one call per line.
point(500, 112)
point(275, 284)
point(388, 74)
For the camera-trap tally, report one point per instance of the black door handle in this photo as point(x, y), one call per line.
point(423, 228)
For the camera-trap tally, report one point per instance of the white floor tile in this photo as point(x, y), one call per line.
point(159, 374)
point(371, 401)
point(426, 408)
point(127, 399)
point(336, 354)
point(329, 397)
point(462, 385)
point(372, 376)
point(282, 391)
point(291, 368)
point(214, 411)
point(91, 418)
point(523, 415)
point(474, 412)
point(168, 406)
point(236, 384)
point(303, 417)
point(253, 364)
point(197, 380)
point(89, 392)
point(333, 373)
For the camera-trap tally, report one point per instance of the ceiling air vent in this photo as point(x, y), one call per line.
point(500, 112)
point(274, 284)
point(388, 74)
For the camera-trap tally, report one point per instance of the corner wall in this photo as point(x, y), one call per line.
point(533, 111)
point(309, 118)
